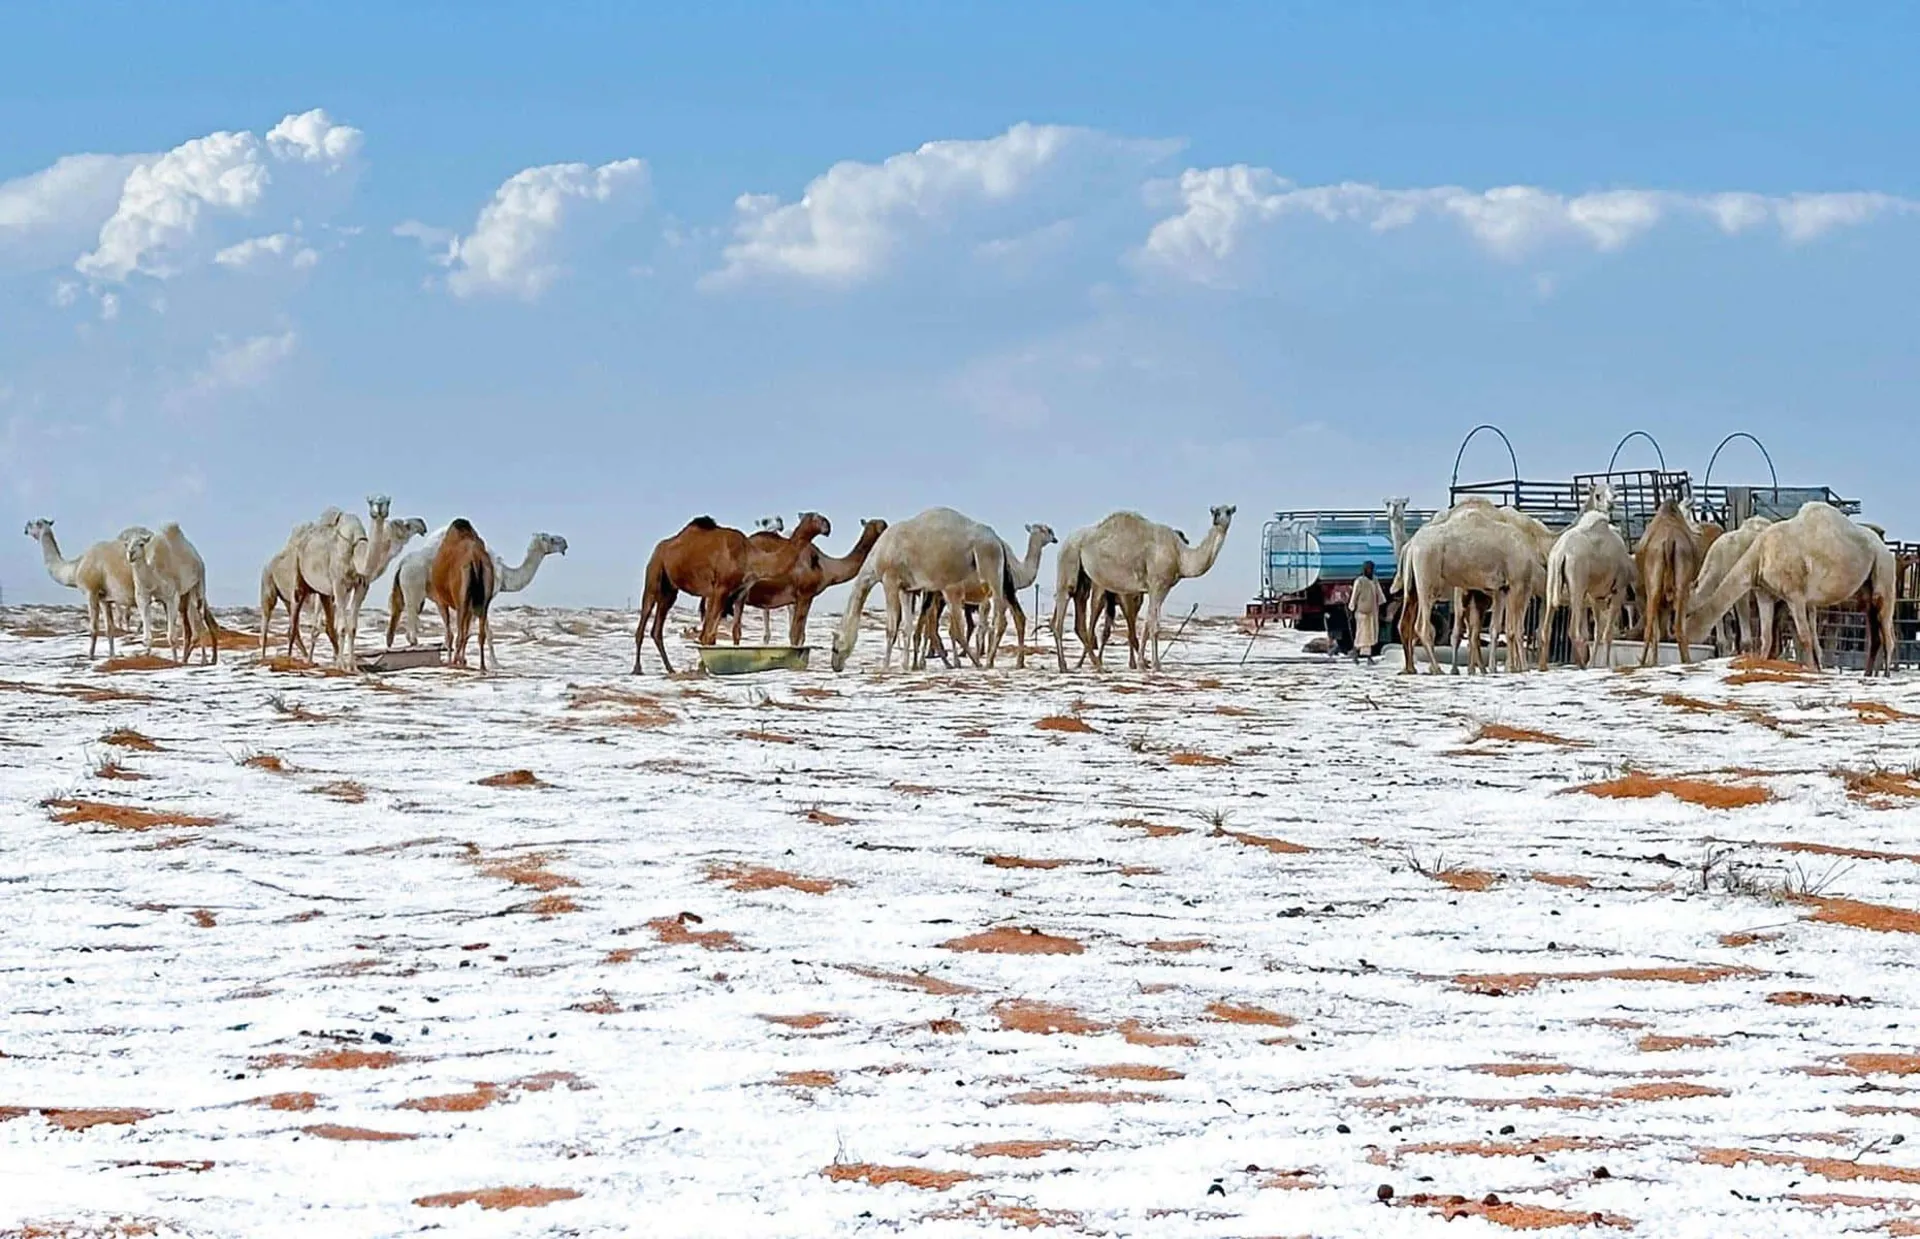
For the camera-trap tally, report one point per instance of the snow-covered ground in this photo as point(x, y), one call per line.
point(1220, 952)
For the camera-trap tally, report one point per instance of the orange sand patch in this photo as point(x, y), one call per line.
point(333, 1131)
point(1062, 722)
point(1637, 786)
point(946, 1027)
point(640, 709)
point(1281, 846)
point(1879, 713)
point(917, 980)
point(69, 1119)
point(1877, 917)
point(329, 1060)
point(513, 778)
point(1185, 758)
point(1178, 946)
point(760, 878)
point(1134, 1071)
point(479, 1097)
point(1137, 1033)
point(1023, 862)
point(1511, 1070)
point(1538, 1146)
point(346, 791)
point(1231, 1014)
point(546, 906)
point(1828, 849)
point(118, 816)
point(1079, 1097)
point(287, 1101)
point(1806, 998)
point(1021, 1148)
point(881, 1176)
point(1153, 830)
point(1825, 1167)
point(823, 818)
point(266, 761)
point(1510, 1215)
point(1011, 940)
point(1666, 1090)
point(603, 1005)
point(1021, 1015)
point(1655, 1044)
point(1563, 879)
point(112, 1228)
point(203, 918)
point(807, 1079)
point(499, 1198)
point(1524, 735)
point(764, 737)
point(137, 662)
point(1883, 1064)
point(527, 869)
point(127, 738)
point(114, 770)
point(988, 1209)
point(1747, 939)
point(811, 1019)
point(1466, 879)
point(1497, 983)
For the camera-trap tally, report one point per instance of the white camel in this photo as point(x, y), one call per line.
point(1021, 574)
point(280, 582)
point(1816, 558)
point(101, 573)
point(167, 568)
point(1714, 566)
point(1128, 555)
point(1473, 550)
point(340, 563)
point(409, 592)
point(939, 550)
point(1589, 573)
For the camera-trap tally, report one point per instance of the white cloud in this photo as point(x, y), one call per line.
point(169, 205)
point(258, 252)
point(850, 221)
point(109, 307)
point(1218, 207)
point(426, 234)
point(49, 216)
point(522, 237)
point(240, 364)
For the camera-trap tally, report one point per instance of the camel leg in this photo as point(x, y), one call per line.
point(93, 626)
point(1578, 611)
point(1150, 632)
point(1083, 628)
point(267, 599)
point(797, 622)
point(1804, 631)
point(662, 604)
point(1652, 605)
point(956, 608)
point(486, 635)
point(1058, 626)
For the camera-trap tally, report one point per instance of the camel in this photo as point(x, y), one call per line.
point(460, 581)
point(279, 581)
point(409, 593)
point(812, 575)
point(1667, 562)
point(719, 566)
point(1589, 572)
point(1472, 551)
point(766, 526)
point(1714, 566)
point(167, 567)
point(1468, 607)
point(1815, 558)
point(1127, 554)
point(1021, 573)
point(101, 572)
point(938, 550)
point(338, 563)
point(1073, 586)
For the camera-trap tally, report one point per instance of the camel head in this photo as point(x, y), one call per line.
point(378, 506)
point(39, 529)
point(1223, 516)
point(1042, 533)
point(1600, 497)
point(771, 524)
point(411, 527)
point(840, 652)
point(812, 525)
point(554, 544)
point(1396, 505)
point(136, 546)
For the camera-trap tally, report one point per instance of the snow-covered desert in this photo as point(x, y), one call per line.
point(1278, 946)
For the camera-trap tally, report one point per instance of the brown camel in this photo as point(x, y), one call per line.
point(1668, 562)
point(460, 583)
point(719, 566)
point(811, 575)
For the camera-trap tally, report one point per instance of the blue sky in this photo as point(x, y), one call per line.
point(654, 262)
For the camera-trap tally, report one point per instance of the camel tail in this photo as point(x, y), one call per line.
point(1557, 585)
point(479, 584)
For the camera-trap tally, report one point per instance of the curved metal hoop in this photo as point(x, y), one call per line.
point(1461, 454)
point(1741, 434)
point(1640, 434)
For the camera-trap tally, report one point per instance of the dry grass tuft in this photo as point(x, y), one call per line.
point(118, 817)
point(513, 778)
point(1496, 984)
point(1062, 722)
point(908, 1176)
point(137, 662)
point(499, 1198)
point(673, 931)
point(1235, 1014)
point(547, 906)
point(127, 738)
point(1187, 758)
point(268, 762)
point(1709, 795)
point(1012, 940)
point(203, 918)
point(346, 791)
point(760, 878)
point(1522, 735)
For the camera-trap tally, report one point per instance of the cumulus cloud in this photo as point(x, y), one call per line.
point(240, 364)
point(172, 208)
point(275, 248)
point(48, 217)
point(853, 218)
point(1219, 207)
point(520, 242)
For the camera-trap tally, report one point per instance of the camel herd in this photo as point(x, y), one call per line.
point(1686, 577)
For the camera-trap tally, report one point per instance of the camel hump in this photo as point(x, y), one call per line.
point(703, 522)
point(460, 525)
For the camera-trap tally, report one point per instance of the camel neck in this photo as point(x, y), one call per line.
point(1198, 560)
point(62, 570)
point(514, 579)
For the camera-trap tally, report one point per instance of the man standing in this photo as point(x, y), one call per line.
point(1364, 604)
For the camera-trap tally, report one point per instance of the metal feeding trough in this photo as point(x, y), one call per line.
point(400, 659)
point(746, 659)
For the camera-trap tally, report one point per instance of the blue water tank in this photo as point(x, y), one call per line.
point(1304, 549)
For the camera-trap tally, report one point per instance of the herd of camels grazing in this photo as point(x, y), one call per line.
point(1686, 577)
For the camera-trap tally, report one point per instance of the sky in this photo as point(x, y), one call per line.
point(596, 269)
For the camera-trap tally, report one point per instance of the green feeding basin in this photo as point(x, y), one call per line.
point(746, 659)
